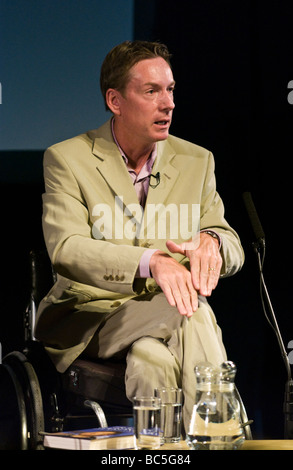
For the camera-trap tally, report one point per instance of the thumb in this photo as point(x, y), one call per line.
point(175, 248)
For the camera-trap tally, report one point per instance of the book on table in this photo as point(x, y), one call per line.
point(113, 437)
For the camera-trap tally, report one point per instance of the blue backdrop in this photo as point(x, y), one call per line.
point(51, 53)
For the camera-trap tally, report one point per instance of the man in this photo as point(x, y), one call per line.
point(136, 232)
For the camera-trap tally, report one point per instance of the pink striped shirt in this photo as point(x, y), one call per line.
point(141, 183)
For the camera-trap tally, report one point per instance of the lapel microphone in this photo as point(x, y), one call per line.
point(157, 177)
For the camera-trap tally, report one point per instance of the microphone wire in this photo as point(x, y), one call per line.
point(271, 321)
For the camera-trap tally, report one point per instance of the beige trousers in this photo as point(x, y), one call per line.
point(161, 346)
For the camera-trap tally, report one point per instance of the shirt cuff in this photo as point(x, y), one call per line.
point(143, 269)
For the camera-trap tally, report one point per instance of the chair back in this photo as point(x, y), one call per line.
point(42, 278)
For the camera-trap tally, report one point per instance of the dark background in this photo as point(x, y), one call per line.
point(232, 62)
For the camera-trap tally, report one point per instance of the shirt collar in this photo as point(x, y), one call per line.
point(150, 161)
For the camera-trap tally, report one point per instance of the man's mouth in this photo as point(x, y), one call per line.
point(162, 123)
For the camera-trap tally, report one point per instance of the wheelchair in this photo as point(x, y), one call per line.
point(35, 398)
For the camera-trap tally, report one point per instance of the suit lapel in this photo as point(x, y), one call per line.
point(112, 167)
point(168, 174)
point(168, 177)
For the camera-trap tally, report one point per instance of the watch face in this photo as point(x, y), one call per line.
point(212, 234)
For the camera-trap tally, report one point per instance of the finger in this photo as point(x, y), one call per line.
point(211, 279)
point(204, 288)
point(175, 297)
point(174, 247)
point(169, 295)
point(214, 274)
point(188, 296)
point(209, 276)
point(181, 302)
point(195, 269)
point(193, 296)
point(206, 269)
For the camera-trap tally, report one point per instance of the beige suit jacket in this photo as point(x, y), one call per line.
point(91, 221)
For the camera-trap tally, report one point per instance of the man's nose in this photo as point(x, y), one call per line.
point(167, 101)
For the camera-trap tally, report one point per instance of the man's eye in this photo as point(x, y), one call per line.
point(150, 92)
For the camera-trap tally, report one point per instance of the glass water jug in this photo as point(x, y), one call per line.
point(215, 423)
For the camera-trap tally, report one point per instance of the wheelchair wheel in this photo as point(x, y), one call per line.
point(21, 406)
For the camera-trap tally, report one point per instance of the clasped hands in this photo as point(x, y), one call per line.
point(180, 285)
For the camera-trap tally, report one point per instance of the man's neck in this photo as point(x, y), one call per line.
point(136, 154)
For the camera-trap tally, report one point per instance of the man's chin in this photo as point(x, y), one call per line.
point(163, 135)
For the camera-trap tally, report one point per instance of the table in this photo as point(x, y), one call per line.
point(279, 444)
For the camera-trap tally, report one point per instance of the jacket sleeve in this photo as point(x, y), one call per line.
point(74, 253)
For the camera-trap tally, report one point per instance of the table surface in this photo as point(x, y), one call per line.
point(247, 445)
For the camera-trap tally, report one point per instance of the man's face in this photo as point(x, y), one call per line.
point(147, 104)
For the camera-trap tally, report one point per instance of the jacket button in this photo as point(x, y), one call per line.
point(106, 277)
point(146, 244)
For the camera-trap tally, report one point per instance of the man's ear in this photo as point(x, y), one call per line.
point(113, 98)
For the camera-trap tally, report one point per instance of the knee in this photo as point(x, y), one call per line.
point(151, 351)
point(150, 364)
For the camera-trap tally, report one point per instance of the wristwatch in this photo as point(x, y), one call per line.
point(212, 234)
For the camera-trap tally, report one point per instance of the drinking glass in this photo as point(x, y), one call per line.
point(171, 412)
point(147, 422)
